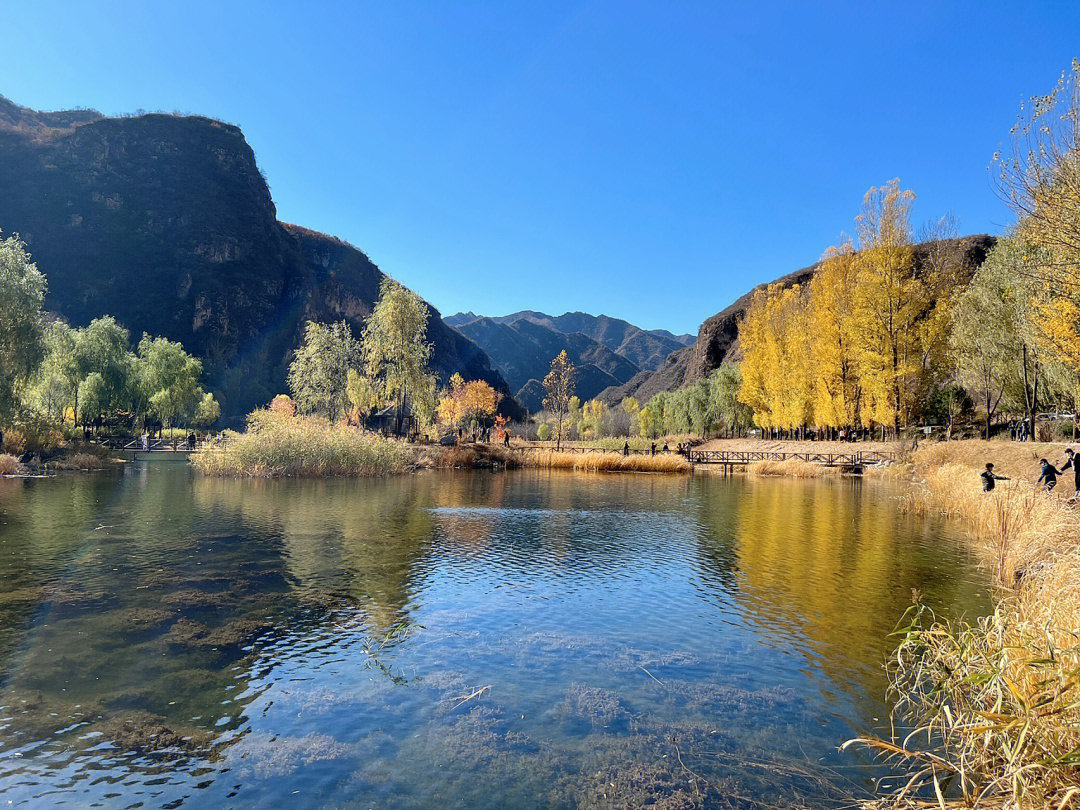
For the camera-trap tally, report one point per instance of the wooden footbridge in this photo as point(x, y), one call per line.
point(731, 460)
point(738, 460)
point(157, 447)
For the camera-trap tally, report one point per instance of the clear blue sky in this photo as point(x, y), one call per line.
point(650, 161)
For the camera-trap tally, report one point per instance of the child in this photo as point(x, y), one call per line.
point(988, 477)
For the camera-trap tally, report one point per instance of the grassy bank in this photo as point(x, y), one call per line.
point(603, 462)
point(995, 704)
point(791, 468)
point(279, 446)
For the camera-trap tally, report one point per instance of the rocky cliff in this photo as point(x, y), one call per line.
point(165, 222)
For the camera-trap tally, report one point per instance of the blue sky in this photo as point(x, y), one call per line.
point(651, 161)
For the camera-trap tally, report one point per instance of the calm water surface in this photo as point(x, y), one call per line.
point(472, 640)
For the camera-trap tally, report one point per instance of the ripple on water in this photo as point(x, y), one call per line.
point(523, 639)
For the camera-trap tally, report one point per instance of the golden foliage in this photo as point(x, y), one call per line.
point(854, 347)
point(463, 401)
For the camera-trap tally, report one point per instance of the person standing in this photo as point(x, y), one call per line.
point(1072, 461)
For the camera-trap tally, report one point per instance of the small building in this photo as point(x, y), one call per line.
point(385, 421)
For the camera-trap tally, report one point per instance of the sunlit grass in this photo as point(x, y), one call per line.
point(279, 446)
point(791, 468)
point(994, 705)
point(605, 462)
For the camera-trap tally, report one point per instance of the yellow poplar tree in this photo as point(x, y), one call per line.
point(837, 392)
point(889, 299)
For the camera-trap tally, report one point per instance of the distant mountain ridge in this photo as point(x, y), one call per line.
point(607, 351)
point(166, 222)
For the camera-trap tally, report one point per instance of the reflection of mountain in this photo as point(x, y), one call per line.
point(361, 542)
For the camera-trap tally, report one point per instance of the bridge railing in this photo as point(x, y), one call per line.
point(859, 458)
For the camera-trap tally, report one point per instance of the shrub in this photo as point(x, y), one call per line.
point(9, 465)
point(32, 435)
point(283, 404)
point(277, 445)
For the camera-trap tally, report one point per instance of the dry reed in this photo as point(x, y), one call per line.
point(606, 462)
point(278, 445)
point(992, 708)
point(9, 465)
point(78, 461)
point(790, 468)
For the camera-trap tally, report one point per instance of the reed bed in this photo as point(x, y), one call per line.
point(279, 446)
point(615, 443)
point(790, 468)
point(991, 709)
point(606, 462)
point(78, 461)
point(9, 465)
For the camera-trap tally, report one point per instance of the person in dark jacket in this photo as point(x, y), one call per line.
point(1072, 461)
point(1047, 475)
point(626, 448)
point(989, 477)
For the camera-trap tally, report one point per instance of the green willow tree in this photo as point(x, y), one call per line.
point(396, 350)
point(319, 373)
point(22, 292)
point(169, 380)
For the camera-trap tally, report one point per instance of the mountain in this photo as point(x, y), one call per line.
point(166, 222)
point(607, 351)
point(718, 337)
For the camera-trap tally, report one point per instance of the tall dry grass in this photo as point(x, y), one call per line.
point(790, 468)
point(278, 445)
point(605, 462)
point(992, 708)
point(9, 465)
point(79, 461)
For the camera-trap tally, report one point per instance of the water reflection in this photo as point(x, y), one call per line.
point(220, 640)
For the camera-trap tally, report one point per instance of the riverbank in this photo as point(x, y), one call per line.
point(279, 446)
point(998, 699)
point(77, 459)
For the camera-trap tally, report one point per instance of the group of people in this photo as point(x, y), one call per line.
point(652, 448)
point(1020, 430)
point(1048, 473)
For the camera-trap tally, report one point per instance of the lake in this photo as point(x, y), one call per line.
point(453, 639)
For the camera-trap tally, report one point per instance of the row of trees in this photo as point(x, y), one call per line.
point(711, 404)
point(87, 374)
point(337, 376)
point(887, 334)
point(864, 342)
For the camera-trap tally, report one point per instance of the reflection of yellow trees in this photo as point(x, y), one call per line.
point(835, 564)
